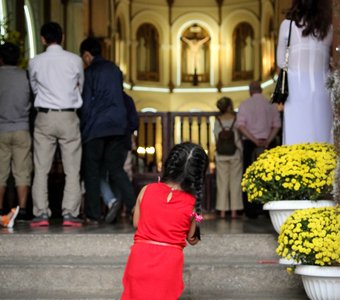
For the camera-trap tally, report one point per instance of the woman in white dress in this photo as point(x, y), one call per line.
point(307, 111)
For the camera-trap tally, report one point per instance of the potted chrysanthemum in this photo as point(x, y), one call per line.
point(311, 237)
point(291, 177)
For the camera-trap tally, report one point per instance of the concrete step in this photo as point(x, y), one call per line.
point(31, 245)
point(102, 277)
point(185, 296)
point(88, 266)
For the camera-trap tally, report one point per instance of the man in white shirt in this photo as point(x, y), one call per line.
point(56, 78)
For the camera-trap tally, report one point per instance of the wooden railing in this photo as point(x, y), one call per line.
point(160, 131)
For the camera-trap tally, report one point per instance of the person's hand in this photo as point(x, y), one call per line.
point(192, 240)
point(261, 142)
point(266, 144)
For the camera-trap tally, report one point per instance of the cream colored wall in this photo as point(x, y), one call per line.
point(180, 24)
point(204, 13)
point(75, 22)
point(229, 23)
point(268, 38)
point(187, 101)
point(75, 34)
point(184, 14)
point(57, 12)
point(157, 19)
point(122, 14)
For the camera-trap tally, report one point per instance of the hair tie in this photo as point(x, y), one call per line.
point(198, 218)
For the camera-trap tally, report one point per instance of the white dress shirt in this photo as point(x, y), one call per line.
point(57, 78)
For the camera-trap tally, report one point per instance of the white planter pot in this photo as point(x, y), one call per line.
point(320, 283)
point(290, 262)
point(279, 211)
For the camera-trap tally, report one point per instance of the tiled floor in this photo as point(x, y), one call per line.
point(211, 224)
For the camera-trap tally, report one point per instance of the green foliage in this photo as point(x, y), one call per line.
point(13, 36)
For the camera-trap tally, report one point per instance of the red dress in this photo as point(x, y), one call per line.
point(155, 265)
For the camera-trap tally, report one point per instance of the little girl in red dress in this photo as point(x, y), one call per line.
point(166, 216)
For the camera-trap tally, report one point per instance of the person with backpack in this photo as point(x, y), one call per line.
point(228, 160)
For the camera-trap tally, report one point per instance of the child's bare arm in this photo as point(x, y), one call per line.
point(191, 237)
point(136, 213)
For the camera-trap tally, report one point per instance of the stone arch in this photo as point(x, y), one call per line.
point(161, 26)
point(268, 40)
point(266, 16)
point(147, 51)
point(122, 50)
point(227, 28)
point(179, 25)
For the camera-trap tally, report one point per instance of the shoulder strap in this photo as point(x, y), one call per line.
point(232, 125)
point(223, 128)
point(219, 121)
point(290, 31)
point(288, 44)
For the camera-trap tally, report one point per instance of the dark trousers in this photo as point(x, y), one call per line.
point(250, 153)
point(111, 153)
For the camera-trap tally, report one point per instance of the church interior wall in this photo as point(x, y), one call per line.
point(152, 17)
point(177, 28)
point(122, 48)
point(100, 18)
point(75, 34)
point(229, 23)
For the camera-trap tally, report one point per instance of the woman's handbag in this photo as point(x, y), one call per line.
point(281, 91)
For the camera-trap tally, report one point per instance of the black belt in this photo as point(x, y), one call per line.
point(46, 110)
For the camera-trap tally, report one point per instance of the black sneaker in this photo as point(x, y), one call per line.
point(22, 215)
point(70, 221)
point(113, 212)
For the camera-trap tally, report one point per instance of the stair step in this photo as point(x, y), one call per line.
point(91, 266)
point(104, 275)
point(119, 244)
point(185, 296)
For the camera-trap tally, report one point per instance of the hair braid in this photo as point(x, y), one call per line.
point(186, 165)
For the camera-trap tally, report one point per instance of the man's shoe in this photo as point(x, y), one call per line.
point(70, 221)
point(40, 221)
point(22, 215)
point(89, 221)
point(113, 211)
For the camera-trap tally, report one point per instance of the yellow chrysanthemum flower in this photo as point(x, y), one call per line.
point(302, 171)
point(311, 236)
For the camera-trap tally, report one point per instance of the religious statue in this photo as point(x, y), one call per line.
point(195, 54)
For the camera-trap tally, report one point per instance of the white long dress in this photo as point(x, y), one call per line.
point(307, 111)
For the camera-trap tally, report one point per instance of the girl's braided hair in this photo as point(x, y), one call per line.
point(186, 165)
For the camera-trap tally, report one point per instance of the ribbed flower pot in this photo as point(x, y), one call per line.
point(320, 283)
point(279, 211)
